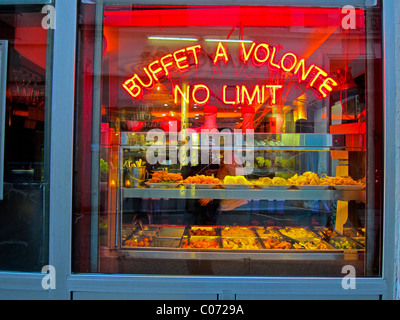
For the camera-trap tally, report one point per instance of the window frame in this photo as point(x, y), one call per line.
point(140, 286)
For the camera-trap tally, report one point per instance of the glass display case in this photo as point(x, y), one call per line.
point(231, 142)
point(275, 208)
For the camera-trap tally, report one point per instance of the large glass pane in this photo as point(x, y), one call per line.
point(228, 140)
point(23, 209)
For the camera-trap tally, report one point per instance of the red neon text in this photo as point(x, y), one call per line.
point(241, 94)
point(260, 54)
point(161, 68)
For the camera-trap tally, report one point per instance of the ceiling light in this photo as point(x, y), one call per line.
point(172, 38)
point(228, 40)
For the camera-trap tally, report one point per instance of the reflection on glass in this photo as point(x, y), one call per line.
point(227, 134)
point(23, 218)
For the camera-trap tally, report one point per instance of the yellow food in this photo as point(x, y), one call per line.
point(297, 233)
point(236, 180)
point(345, 180)
point(165, 177)
point(307, 178)
point(272, 243)
point(263, 181)
point(201, 179)
point(278, 181)
point(237, 232)
point(246, 243)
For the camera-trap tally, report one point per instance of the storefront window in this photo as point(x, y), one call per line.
point(25, 165)
point(228, 140)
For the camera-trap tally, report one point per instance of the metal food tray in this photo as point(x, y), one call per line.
point(207, 228)
point(239, 236)
point(268, 232)
point(356, 245)
point(283, 239)
point(313, 239)
point(243, 239)
point(171, 232)
point(137, 238)
point(206, 238)
point(353, 233)
point(359, 240)
point(311, 233)
point(320, 231)
point(148, 231)
point(160, 242)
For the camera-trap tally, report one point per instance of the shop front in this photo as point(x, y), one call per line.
point(210, 151)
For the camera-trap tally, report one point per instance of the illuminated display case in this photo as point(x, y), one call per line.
point(233, 141)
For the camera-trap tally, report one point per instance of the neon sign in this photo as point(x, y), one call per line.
point(260, 54)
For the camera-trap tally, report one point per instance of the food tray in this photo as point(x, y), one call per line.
point(201, 243)
point(166, 243)
point(277, 244)
point(344, 243)
point(326, 233)
point(204, 231)
point(138, 241)
point(353, 232)
point(359, 240)
point(237, 231)
point(162, 185)
point(312, 244)
point(268, 232)
point(237, 243)
point(147, 231)
point(171, 232)
point(297, 232)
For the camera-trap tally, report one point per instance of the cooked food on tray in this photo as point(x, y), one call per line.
point(165, 177)
point(202, 179)
point(200, 244)
point(241, 243)
point(139, 242)
point(202, 232)
point(237, 231)
point(292, 232)
point(315, 244)
point(272, 243)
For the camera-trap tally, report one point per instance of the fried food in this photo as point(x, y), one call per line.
point(237, 231)
point(263, 181)
point(297, 233)
point(307, 178)
point(272, 243)
point(165, 177)
point(269, 233)
point(244, 243)
point(344, 180)
point(278, 181)
point(314, 244)
point(236, 180)
point(202, 232)
point(200, 244)
point(202, 179)
point(139, 242)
